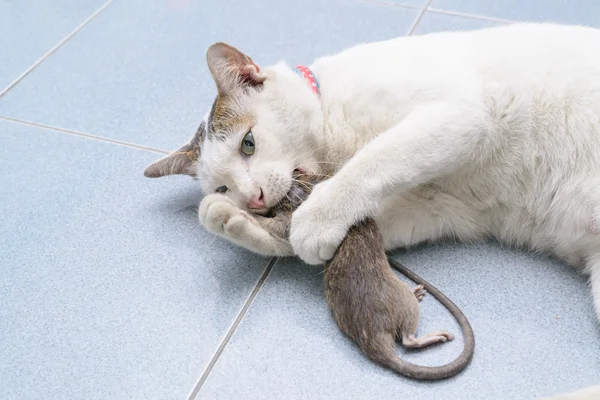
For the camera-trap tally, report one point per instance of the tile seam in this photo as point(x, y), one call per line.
point(434, 10)
point(57, 46)
point(391, 4)
point(84, 135)
point(194, 394)
point(471, 16)
point(419, 18)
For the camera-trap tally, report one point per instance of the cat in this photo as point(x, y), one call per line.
point(463, 135)
point(367, 300)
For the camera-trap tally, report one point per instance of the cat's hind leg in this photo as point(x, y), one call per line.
point(427, 215)
point(594, 270)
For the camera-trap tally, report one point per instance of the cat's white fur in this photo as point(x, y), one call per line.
point(468, 134)
point(589, 393)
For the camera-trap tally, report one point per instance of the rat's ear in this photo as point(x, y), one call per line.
point(181, 161)
point(231, 68)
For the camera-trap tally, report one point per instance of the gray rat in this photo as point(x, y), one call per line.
point(368, 301)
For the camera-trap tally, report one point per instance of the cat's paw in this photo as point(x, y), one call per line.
point(239, 226)
point(219, 215)
point(318, 227)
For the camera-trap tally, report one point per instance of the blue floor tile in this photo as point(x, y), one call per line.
point(109, 287)
point(412, 3)
point(137, 72)
point(30, 28)
point(533, 319)
point(432, 22)
point(586, 12)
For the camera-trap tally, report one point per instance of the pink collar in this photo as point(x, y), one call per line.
point(309, 77)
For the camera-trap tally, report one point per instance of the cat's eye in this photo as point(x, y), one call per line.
point(221, 189)
point(248, 144)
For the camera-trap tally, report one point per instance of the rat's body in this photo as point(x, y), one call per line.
point(368, 301)
point(372, 306)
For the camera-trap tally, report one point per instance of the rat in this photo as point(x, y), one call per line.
point(370, 304)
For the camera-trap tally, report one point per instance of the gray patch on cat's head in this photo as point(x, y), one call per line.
point(210, 129)
point(182, 161)
point(228, 115)
point(235, 76)
point(217, 130)
point(231, 69)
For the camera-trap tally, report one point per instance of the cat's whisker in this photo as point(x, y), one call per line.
point(313, 150)
point(308, 164)
point(303, 183)
point(306, 188)
point(309, 153)
point(325, 268)
point(287, 192)
point(308, 183)
point(321, 162)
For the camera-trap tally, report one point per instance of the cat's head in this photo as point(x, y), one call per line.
point(263, 125)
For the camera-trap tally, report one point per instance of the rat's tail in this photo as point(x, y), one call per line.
point(393, 361)
point(381, 348)
point(415, 371)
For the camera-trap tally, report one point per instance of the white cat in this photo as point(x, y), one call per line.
point(466, 135)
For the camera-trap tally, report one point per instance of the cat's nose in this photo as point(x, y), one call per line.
point(258, 201)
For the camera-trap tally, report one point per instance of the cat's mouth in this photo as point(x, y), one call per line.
point(296, 186)
point(301, 185)
point(296, 183)
point(298, 172)
point(296, 191)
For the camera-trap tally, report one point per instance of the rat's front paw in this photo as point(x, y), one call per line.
point(317, 228)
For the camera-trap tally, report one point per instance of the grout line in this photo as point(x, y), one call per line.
point(56, 47)
point(472, 16)
point(419, 17)
point(232, 330)
point(85, 135)
point(436, 11)
point(391, 4)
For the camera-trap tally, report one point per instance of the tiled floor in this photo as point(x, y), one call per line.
point(110, 289)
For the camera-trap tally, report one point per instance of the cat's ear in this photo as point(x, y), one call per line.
point(231, 68)
point(181, 161)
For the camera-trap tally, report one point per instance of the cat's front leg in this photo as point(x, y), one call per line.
point(430, 142)
point(220, 216)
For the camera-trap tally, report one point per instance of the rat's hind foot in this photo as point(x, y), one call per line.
point(414, 342)
point(419, 292)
